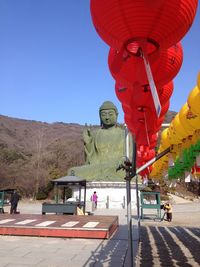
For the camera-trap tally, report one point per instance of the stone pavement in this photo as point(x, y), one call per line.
point(16, 251)
point(161, 243)
point(173, 243)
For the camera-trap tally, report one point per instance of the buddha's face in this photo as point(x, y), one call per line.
point(108, 118)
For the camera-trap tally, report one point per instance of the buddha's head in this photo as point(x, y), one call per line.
point(108, 114)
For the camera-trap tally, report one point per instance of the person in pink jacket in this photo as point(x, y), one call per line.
point(94, 199)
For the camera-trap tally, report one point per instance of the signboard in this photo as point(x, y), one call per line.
point(198, 161)
point(171, 162)
point(188, 177)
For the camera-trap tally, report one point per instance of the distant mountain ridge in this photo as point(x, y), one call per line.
point(19, 132)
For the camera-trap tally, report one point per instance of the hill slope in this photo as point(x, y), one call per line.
point(32, 153)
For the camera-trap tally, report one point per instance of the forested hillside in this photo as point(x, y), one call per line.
point(32, 153)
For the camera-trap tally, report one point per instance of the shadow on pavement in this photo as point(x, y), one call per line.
point(111, 252)
point(169, 246)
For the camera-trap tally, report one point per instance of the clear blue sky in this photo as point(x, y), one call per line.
point(53, 65)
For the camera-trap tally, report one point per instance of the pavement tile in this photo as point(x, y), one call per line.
point(28, 261)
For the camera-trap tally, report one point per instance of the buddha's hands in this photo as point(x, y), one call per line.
point(87, 136)
point(124, 164)
point(120, 163)
point(88, 144)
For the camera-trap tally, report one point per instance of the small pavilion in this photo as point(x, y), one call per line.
point(67, 206)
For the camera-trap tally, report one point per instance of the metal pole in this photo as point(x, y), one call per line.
point(163, 153)
point(64, 193)
point(136, 183)
point(128, 200)
point(85, 186)
point(138, 206)
point(79, 194)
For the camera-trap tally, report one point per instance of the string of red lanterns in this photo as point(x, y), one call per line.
point(133, 29)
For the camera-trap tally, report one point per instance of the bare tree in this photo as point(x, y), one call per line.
point(39, 149)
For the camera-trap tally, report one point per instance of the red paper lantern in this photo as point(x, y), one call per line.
point(132, 71)
point(146, 172)
point(142, 119)
point(147, 153)
point(144, 154)
point(156, 24)
point(160, 120)
point(165, 92)
point(195, 170)
point(134, 96)
point(146, 139)
point(138, 97)
point(123, 93)
point(165, 108)
point(137, 128)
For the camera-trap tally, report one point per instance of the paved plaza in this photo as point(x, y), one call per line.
point(19, 251)
point(173, 243)
point(161, 243)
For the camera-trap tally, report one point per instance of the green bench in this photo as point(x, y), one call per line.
point(60, 208)
point(150, 201)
